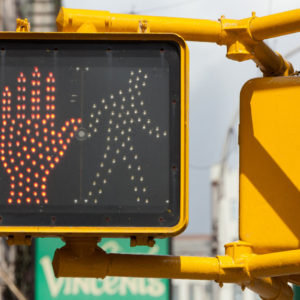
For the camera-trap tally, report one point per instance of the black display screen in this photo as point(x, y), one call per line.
point(90, 133)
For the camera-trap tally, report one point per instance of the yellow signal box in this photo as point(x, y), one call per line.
point(270, 163)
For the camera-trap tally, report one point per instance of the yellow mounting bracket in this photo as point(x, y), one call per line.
point(237, 37)
point(23, 25)
point(241, 45)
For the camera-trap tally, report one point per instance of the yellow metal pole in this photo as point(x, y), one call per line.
point(275, 25)
point(274, 264)
point(236, 34)
point(271, 288)
point(83, 258)
point(70, 20)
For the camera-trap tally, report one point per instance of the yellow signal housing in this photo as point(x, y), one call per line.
point(269, 163)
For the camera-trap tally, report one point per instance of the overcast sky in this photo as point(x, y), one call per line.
point(215, 81)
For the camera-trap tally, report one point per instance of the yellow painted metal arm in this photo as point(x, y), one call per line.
point(83, 258)
point(275, 25)
point(275, 264)
point(235, 34)
point(70, 20)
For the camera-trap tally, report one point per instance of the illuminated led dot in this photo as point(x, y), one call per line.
point(104, 181)
point(147, 200)
point(113, 161)
point(136, 86)
point(111, 96)
point(131, 73)
point(108, 148)
point(141, 178)
point(95, 129)
point(9, 200)
point(144, 127)
point(92, 115)
point(94, 183)
point(135, 111)
point(115, 138)
point(135, 189)
point(118, 151)
point(114, 104)
point(52, 165)
point(132, 97)
point(75, 200)
point(138, 199)
point(86, 200)
point(112, 113)
point(135, 157)
point(123, 99)
point(90, 193)
point(100, 191)
point(132, 177)
point(123, 144)
point(101, 165)
point(150, 132)
point(129, 166)
point(37, 201)
point(97, 121)
point(18, 201)
point(46, 201)
point(144, 189)
point(117, 126)
point(99, 112)
point(139, 119)
point(128, 138)
point(105, 155)
point(124, 157)
point(131, 148)
point(130, 90)
point(157, 135)
point(97, 175)
point(27, 189)
point(110, 121)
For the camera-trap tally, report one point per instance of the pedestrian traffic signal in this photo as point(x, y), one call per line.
point(93, 134)
point(269, 164)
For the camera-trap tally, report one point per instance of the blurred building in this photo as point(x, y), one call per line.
point(191, 245)
point(225, 208)
point(40, 13)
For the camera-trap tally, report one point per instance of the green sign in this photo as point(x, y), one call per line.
point(48, 287)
